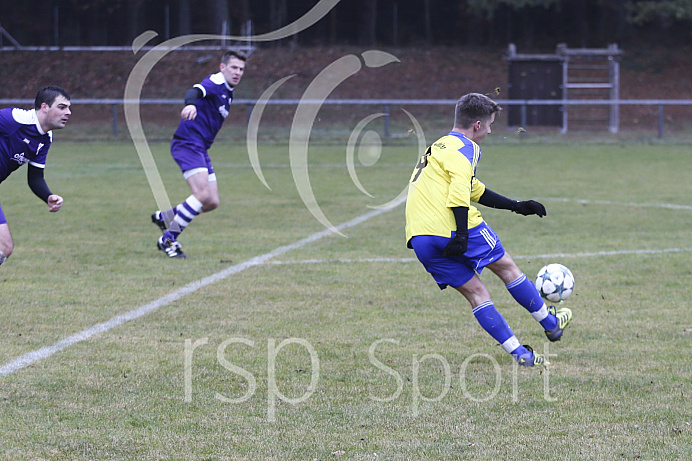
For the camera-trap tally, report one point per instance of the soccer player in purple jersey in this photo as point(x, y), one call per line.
point(25, 137)
point(206, 107)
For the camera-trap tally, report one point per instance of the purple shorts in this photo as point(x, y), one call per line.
point(484, 247)
point(2, 217)
point(190, 156)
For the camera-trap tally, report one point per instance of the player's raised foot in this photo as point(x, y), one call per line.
point(563, 315)
point(157, 219)
point(172, 248)
point(530, 358)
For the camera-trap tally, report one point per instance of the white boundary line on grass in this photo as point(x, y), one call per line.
point(39, 354)
point(553, 255)
point(671, 206)
point(45, 352)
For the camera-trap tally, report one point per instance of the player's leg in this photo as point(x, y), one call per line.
point(522, 290)
point(203, 185)
point(458, 272)
point(495, 324)
point(484, 247)
point(553, 320)
point(205, 197)
point(204, 188)
point(191, 158)
point(6, 242)
point(191, 207)
point(197, 170)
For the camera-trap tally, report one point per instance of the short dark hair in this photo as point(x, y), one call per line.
point(473, 107)
point(228, 55)
point(48, 94)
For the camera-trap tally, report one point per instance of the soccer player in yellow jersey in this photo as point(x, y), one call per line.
point(453, 242)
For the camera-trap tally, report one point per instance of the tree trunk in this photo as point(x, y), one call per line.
point(277, 17)
point(184, 20)
point(134, 19)
point(333, 34)
point(428, 25)
point(96, 32)
point(245, 17)
point(368, 29)
point(218, 9)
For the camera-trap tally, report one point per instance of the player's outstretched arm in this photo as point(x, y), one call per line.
point(529, 207)
point(190, 110)
point(38, 186)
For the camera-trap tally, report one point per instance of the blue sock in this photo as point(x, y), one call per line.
point(521, 351)
point(526, 294)
point(494, 323)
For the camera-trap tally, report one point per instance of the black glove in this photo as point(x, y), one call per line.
point(457, 245)
point(529, 207)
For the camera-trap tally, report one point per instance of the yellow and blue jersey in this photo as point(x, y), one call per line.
point(444, 178)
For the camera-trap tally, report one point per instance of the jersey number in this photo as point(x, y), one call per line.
point(422, 163)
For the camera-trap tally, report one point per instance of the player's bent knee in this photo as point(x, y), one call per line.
point(6, 249)
point(211, 202)
point(210, 205)
point(474, 291)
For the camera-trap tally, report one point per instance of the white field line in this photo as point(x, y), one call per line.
point(608, 202)
point(39, 354)
point(541, 256)
point(45, 352)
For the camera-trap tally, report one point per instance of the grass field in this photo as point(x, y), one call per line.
point(343, 348)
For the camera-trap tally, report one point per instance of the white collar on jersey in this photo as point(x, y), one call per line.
point(218, 78)
point(38, 125)
point(27, 117)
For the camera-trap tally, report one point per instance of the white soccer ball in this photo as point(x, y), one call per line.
point(555, 282)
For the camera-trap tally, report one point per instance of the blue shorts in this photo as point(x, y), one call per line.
point(2, 217)
point(484, 247)
point(190, 156)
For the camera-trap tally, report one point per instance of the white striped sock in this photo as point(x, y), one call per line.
point(540, 314)
point(511, 344)
point(185, 213)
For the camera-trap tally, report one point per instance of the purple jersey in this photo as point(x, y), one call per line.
point(21, 140)
point(212, 110)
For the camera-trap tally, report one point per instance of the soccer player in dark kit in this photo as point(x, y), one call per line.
point(25, 137)
point(206, 107)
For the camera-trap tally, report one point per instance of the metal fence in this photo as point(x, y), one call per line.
point(386, 104)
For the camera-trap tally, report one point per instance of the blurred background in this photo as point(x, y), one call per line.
point(527, 23)
point(607, 66)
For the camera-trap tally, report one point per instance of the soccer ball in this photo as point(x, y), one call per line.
point(555, 282)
